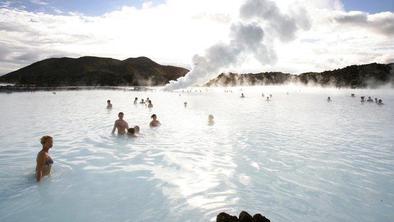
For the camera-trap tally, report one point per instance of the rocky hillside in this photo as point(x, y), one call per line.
point(356, 76)
point(94, 71)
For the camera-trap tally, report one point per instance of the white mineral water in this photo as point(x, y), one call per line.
point(295, 158)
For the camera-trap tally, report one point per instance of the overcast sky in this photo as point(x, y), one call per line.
point(329, 34)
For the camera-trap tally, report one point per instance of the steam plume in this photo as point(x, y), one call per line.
point(246, 38)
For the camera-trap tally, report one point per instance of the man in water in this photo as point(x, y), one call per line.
point(155, 122)
point(328, 99)
point(121, 125)
point(135, 100)
point(242, 95)
point(109, 105)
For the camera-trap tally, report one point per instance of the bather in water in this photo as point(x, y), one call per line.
point(131, 132)
point(150, 105)
point(120, 124)
point(211, 120)
point(155, 122)
point(109, 105)
point(44, 161)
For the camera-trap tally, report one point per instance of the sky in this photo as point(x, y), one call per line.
point(305, 35)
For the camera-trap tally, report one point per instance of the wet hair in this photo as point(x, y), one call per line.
point(137, 129)
point(153, 116)
point(44, 139)
point(120, 113)
point(131, 130)
point(108, 101)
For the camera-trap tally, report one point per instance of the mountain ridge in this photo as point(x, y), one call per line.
point(94, 71)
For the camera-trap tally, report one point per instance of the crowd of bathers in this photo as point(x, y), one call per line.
point(44, 161)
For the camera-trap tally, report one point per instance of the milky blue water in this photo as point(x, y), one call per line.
point(295, 158)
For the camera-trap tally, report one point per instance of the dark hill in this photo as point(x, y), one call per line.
point(94, 71)
point(355, 76)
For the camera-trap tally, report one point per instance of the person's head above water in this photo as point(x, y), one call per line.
point(108, 101)
point(136, 129)
point(120, 115)
point(46, 142)
point(131, 131)
point(154, 117)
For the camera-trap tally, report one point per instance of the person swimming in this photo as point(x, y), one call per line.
point(150, 105)
point(185, 104)
point(211, 120)
point(242, 95)
point(352, 95)
point(120, 124)
point(268, 99)
point(155, 122)
point(362, 99)
point(369, 99)
point(135, 100)
point(380, 102)
point(329, 99)
point(44, 161)
point(131, 132)
point(109, 105)
point(142, 101)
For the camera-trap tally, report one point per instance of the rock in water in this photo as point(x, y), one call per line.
point(245, 217)
point(223, 217)
point(260, 218)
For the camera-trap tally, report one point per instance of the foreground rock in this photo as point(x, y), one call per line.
point(243, 217)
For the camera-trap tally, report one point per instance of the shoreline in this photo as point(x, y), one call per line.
point(13, 88)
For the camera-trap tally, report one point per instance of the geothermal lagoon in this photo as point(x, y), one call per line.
point(294, 158)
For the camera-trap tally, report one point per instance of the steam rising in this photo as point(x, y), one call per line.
point(246, 38)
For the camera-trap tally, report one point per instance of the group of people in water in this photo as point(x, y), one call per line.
point(267, 99)
point(122, 126)
point(44, 161)
point(363, 100)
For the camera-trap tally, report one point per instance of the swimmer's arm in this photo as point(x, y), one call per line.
point(40, 166)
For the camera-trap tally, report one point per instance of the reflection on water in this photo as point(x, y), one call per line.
point(296, 157)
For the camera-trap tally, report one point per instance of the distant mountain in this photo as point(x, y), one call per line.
point(94, 71)
point(355, 76)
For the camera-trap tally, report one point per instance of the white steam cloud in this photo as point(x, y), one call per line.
point(246, 38)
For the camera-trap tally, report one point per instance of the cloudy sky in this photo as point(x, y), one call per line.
point(304, 35)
